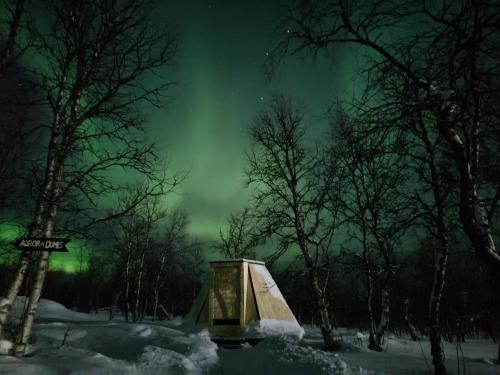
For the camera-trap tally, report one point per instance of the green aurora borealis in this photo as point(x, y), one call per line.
point(220, 89)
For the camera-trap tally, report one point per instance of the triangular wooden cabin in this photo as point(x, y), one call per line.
point(237, 293)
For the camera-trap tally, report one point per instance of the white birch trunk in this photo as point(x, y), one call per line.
point(36, 292)
point(157, 286)
point(384, 318)
point(411, 327)
point(113, 306)
point(15, 286)
point(141, 271)
point(7, 302)
point(138, 287)
point(324, 323)
point(34, 298)
point(42, 266)
point(41, 206)
point(127, 282)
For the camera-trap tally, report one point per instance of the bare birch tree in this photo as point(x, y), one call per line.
point(174, 238)
point(240, 238)
point(290, 195)
point(136, 237)
point(458, 89)
point(338, 22)
point(151, 215)
point(98, 55)
point(369, 155)
point(432, 188)
point(432, 196)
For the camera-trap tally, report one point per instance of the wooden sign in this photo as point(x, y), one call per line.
point(42, 244)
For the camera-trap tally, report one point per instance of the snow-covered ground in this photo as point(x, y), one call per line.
point(94, 345)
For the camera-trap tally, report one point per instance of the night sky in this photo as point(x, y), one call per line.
point(221, 87)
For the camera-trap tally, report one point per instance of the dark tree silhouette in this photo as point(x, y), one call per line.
point(375, 177)
point(449, 58)
point(97, 56)
point(19, 38)
point(240, 238)
point(291, 195)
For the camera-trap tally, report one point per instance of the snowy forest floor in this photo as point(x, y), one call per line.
point(95, 345)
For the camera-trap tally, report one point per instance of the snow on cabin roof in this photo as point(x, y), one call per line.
point(237, 260)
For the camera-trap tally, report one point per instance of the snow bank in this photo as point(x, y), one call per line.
point(50, 310)
point(283, 355)
point(153, 330)
point(120, 347)
point(290, 352)
point(204, 352)
point(5, 346)
point(202, 356)
point(156, 360)
point(272, 327)
point(175, 322)
point(60, 331)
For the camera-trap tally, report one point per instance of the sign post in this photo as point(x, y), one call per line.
point(42, 244)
